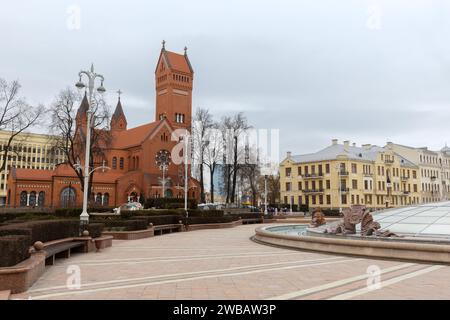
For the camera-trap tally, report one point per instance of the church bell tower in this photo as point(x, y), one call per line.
point(174, 78)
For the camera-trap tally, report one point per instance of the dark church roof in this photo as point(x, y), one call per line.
point(118, 113)
point(84, 106)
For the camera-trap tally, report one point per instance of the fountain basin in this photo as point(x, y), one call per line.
point(405, 248)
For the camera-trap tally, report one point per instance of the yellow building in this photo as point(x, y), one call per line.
point(341, 175)
point(28, 150)
point(434, 169)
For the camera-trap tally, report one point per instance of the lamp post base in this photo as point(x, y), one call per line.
point(84, 221)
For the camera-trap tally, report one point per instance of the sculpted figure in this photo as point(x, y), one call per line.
point(317, 219)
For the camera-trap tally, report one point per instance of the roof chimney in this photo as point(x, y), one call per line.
point(367, 146)
point(354, 144)
point(289, 154)
point(389, 145)
point(334, 142)
point(346, 145)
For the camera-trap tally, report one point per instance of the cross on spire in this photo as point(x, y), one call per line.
point(119, 92)
point(164, 44)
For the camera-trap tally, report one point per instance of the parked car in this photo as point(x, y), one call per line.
point(132, 206)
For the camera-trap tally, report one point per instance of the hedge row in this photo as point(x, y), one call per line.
point(123, 225)
point(171, 212)
point(75, 212)
point(248, 215)
point(13, 249)
point(169, 203)
point(160, 220)
point(206, 220)
point(44, 231)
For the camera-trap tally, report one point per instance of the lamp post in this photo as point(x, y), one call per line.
point(338, 168)
point(91, 76)
point(186, 187)
point(265, 195)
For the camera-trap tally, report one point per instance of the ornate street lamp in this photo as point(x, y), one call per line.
point(91, 76)
point(162, 161)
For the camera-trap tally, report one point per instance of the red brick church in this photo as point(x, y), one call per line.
point(132, 155)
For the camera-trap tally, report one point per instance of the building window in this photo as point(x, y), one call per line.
point(354, 168)
point(121, 163)
point(328, 183)
point(106, 199)
point(23, 199)
point(344, 199)
point(355, 184)
point(41, 199)
point(327, 168)
point(328, 199)
point(114, 163)
point(288, 186)
point(98, 199)
point(288, 172)
point(68, 197)
point(32, 201)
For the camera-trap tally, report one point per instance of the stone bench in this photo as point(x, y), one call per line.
point(252, 220)
point(61, 249)
point(167, 228)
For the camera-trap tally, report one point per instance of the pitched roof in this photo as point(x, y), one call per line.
point(352, 153)
point(175, 61)
point(131, 137)
point(31, 174)
point(84, 106)
point(118, 113)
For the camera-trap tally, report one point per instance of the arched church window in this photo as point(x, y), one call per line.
point(41, 199)
point(98, 199)
point(106, 199)
point(68, 197)
point(121, 163)
point(23, 199)
point(32, 201)
point(114, 163)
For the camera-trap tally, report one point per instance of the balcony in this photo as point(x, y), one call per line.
point(312, 191)
point(404, 178)
point(343, 173)
point(388, 161)
point(344, 190)
point(313, 176)
point(368, 174)
point(405, 193)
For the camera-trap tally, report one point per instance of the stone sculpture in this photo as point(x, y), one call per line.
point(317, 219)
point(353, 216)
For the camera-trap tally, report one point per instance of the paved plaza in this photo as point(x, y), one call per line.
point(227, 264)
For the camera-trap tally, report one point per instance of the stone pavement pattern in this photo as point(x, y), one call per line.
point(226, 264)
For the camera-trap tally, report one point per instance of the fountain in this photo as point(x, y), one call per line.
point(420, 233)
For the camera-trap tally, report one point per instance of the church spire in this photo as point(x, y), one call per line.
point(118, 119)
point(82, 110)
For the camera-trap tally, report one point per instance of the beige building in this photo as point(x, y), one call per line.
point(341, 175)
point(28, 150)
point(434, 169)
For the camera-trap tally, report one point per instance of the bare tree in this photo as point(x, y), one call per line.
point(233, 129)
point(250, 173)
point(273, 187)
point(213, 154)
point(69, 131)
point(16, 116)
point(202, 123)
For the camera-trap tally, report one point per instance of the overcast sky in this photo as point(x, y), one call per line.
point(365, 71)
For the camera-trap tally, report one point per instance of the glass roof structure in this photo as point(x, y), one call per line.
point(427, 220)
